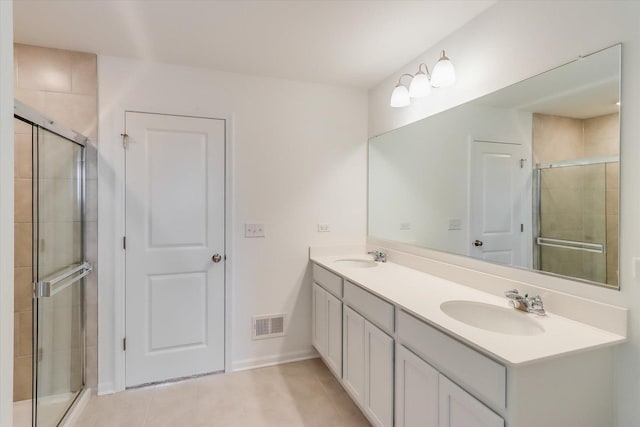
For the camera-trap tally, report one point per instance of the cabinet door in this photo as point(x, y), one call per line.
point(378, 362)
point(319, 319)
point(334, 334)
point(460, 409)
point(416, 391)
point(353, 354)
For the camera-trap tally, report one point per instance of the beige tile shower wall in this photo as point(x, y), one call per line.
point(23, 313)
point(556, 138)
point(602, 136)
point(63, 85)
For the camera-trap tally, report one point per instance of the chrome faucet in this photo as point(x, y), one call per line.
point(378, 256)
point(524, 303)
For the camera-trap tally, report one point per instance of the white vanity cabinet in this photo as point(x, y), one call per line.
point(368, 367)
point(405, 368)
point(327, 328)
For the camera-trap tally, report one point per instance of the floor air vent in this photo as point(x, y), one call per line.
point(268, 326)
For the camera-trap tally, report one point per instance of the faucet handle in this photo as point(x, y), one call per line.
point(513, 293)
point(378, 256)
point(537, 306)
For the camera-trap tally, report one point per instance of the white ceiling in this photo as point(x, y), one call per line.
point(355, 43)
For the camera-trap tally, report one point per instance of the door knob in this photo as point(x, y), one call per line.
point(478, 243)
point(216, 258)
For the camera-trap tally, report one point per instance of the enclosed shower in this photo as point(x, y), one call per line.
point(50, 266)
point(577, 218)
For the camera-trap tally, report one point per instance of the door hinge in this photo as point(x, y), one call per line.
point(124, 242)
point(522, 163)
point(522, 228)
point(124, 344)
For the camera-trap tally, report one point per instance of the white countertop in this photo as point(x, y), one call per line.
point(421, 294)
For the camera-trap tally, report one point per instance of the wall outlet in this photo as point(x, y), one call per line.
point(323, 228)
point(455, 224)
point(254, 230)
point(405, 226)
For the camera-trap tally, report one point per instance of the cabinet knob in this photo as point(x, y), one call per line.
point(216, 258)
point(478, 243)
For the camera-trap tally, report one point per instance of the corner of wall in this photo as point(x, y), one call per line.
point(6, 213)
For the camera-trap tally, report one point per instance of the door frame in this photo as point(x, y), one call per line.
point(112, 320)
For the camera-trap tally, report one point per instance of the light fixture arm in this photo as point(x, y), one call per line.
point(400, 79)
point(426, 70)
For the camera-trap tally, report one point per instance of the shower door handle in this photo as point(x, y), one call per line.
point(478, 243)
point(51, 286)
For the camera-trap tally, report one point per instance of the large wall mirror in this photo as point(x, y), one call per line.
point(527, 176)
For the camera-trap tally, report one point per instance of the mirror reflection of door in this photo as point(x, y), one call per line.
point(498, 184)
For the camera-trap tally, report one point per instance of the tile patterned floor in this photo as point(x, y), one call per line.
point(303, 394)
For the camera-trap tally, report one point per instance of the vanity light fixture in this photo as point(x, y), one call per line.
point(421, 83)
point(400, 96)
point(443, 73)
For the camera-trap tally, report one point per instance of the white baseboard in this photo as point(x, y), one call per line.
point(76, 410)
point(105, 388)
point(277, 359)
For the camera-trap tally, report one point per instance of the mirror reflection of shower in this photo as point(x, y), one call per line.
point(576, 199)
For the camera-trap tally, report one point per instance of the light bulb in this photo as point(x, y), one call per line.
point(443, 73)
point(400, 96)
point(420, 86)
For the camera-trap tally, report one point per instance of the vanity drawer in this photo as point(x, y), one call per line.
point(475, 372)
point(328, 280)
point(374, 309)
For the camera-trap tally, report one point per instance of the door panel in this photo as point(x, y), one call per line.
point(460, 409)
point(320, 320)
point(58, 249)
point(334, 334)
point(497, 199)
point(378, 362)
point(175, 175)
point(416, 391)
point(353, 354)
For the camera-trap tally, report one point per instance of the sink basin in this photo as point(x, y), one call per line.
point(356, 263)
point(491, 317)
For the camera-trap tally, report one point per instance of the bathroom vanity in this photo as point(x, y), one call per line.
point(413, 349)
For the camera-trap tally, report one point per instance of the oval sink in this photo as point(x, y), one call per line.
point(491, 317)
point(356, 263)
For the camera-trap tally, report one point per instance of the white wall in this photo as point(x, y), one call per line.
point(514, 40)
point(299, 158)
point(6, 213)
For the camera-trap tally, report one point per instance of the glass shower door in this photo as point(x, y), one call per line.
point(58, 268)
point(572, 221)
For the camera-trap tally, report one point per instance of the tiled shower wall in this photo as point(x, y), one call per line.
point(63, 86)
point(586, 198)
point(22, 349)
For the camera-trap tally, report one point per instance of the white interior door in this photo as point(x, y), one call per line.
point(498, 181)
point(175, 182)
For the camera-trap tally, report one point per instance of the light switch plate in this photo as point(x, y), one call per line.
point(323, 228)
point(455, 224)
point(254, 230)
